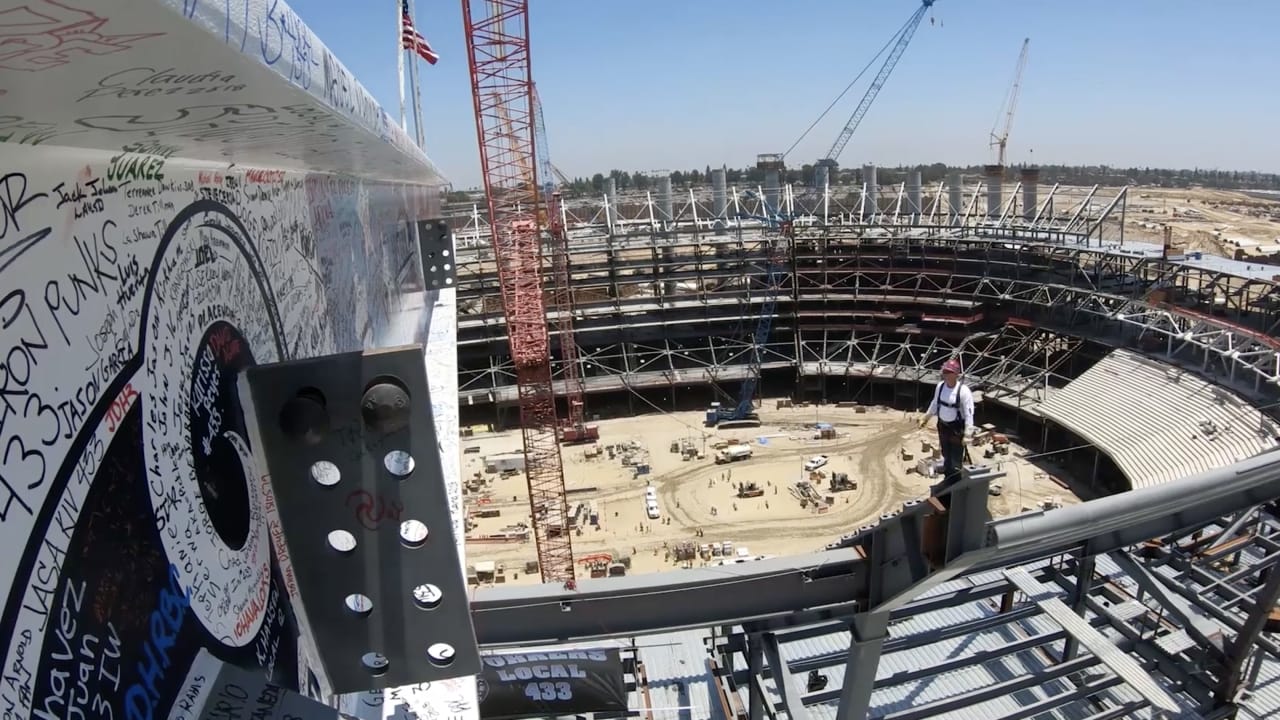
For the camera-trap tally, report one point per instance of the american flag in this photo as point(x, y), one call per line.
point(411, 39)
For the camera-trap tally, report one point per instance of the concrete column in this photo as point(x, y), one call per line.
point(913, 192)
point(1030, 181)
point(719, 199)
point(772, 191)
point(995, 189)
point(821, 177)
point(665, 212)
point(955, 194)
point(869, 180)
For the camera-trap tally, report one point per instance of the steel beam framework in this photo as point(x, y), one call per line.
point(1140, 619)
point(676, 311)
point(888, 300)
point(1133, 619)
point(1079, 214)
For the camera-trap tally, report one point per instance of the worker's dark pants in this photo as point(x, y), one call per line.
point(951, 443)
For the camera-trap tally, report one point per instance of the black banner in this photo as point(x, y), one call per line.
point(553, 683)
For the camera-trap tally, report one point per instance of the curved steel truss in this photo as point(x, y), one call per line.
point(1082, 212)
point(655, 311)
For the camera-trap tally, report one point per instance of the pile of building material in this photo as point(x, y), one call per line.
point(809, 496)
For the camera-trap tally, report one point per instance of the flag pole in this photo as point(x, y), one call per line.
point(417, 97)
point(400, 59)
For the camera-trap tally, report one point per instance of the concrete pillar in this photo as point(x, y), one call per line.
point(1030, 179)
point(869, 180)
point(772, 191)
point(611, 192)
point(821, 177)
point(955, 194)
point(913, 192)
point(719, 199)
point(995, 189)
point(665, 212)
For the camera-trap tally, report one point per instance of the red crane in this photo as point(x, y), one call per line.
point(502, 89)
point(574, 429)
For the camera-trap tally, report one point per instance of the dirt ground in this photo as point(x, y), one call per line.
point(700, 495)
point(1202, 219)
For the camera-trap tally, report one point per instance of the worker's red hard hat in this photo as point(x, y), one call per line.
point(951, 366)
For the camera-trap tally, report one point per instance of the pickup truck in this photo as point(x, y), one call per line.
point(815, 462)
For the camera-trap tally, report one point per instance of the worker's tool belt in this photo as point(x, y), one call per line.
point(951, 432)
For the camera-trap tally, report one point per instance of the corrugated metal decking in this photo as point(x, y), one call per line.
point(1159, 422)
point(1121, 664)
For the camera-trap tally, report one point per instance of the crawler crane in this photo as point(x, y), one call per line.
point(497, 33)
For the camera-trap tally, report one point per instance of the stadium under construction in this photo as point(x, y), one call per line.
point(859, 296)
point(252, 365)
point(1156, 372)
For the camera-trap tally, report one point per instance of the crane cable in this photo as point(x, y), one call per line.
point(847, 88)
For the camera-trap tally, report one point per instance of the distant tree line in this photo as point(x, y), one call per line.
point(804, 175)
point(1065, 174)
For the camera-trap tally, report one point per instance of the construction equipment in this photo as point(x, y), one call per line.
point(548, 180)
point(1001, 139)
point(749, 490)
point(574, 429)
point(597, 564)
point(733, 453)
point(841, 482)
point(903, 36)
point(497, 35)
point(742, 413)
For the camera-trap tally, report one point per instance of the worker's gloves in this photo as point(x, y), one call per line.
point(924, 420)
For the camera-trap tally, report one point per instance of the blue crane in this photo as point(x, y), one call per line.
point(903, 36)
point(743, 412)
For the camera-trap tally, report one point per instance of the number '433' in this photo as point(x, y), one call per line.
point(548, 690)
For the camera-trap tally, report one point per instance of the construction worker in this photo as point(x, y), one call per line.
point(953, 405)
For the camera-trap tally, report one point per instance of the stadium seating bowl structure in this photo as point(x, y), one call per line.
point(1059, 322)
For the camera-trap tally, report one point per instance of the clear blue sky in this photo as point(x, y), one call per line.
point(677, 84)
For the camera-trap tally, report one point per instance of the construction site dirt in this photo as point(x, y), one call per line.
point(710, 513)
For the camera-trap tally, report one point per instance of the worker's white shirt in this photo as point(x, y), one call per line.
point(960, 398)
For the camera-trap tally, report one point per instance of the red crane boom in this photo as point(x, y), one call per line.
point(574, 429)
point(502, 89)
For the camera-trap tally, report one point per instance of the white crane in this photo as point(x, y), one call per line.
point(999, 141)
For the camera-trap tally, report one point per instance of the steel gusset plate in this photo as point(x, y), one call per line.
point(439, 263)
point(357, 491)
